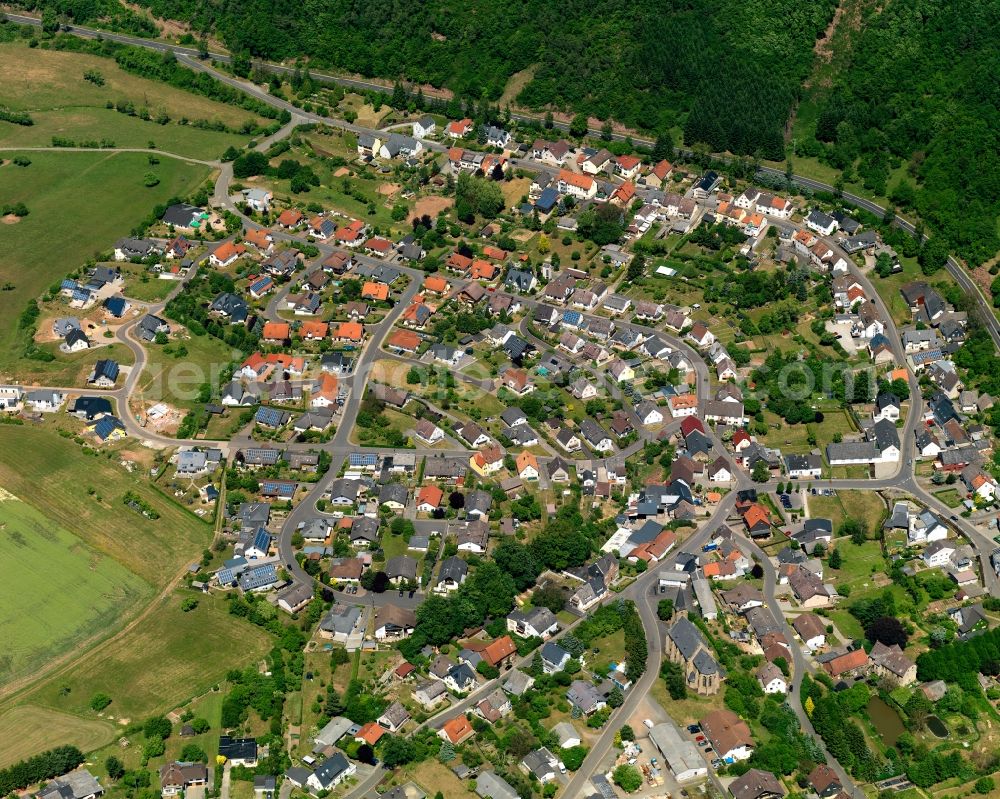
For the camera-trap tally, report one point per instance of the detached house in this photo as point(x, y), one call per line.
point(582, 187)
point(535, 623)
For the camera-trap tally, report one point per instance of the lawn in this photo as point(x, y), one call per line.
point(857, 565)
point(393, 545)
point(949, 497)
point(160, 663)
point(685, 711)
point(52, 187)
point(376, 436)
point(56, 474)
point(70, 369)
point(141, 285)
point(794, 438)
point(93, 590)
point(368, 117)
point(175, 376)
point(514, 190)
point(436, 776)
point(864, 505)
point(26, 730)
point(611, 649)
point(49, 84)
point(849, 627)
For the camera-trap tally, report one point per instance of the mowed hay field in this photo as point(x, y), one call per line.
point(49, 85)
point(38, 622)
point(56, 474)
point(162, 661)
point(79, 203)
point(27, 730)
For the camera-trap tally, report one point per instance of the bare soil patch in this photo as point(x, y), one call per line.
point(388, 189)
point(515, 85)
point(144, 457)
point(11, 219)
point(981, 275)
point(514, 190)
point(432, 206)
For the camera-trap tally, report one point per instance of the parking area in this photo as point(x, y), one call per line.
point(694, 732)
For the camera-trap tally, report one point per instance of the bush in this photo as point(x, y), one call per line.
point(627, 778)
point(573, 757)
point(157, 727)
point(192, 753)
point(99, 702)
point(985, 785)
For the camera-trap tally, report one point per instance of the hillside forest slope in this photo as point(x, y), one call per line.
point(911, 107)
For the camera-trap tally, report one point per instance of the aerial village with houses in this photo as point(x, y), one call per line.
point(551, 471)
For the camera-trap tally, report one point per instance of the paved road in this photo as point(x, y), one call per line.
point(340, 445)
point(954, 268)
point(800, 665)
point(641, 592)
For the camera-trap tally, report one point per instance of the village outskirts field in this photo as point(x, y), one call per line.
point(89, 596)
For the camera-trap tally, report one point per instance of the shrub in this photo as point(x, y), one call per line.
point(99, 701)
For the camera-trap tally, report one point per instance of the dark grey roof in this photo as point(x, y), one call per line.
point(885, 435)
point(453, 568)
point(686, 637)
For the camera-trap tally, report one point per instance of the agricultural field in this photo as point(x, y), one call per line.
point(161, 662)
point(58, 475)
point(26, 730)
point(38, 625)
point(50, 86)
point(72, 231)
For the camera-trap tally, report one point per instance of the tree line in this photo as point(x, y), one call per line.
point(961, 661)
point(164, 67)
point(44, 766)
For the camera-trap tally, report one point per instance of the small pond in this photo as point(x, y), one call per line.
point(936, 726)
point(886, 721)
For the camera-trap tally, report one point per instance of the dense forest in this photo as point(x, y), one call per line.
point(919, 88)
point(725, 72)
